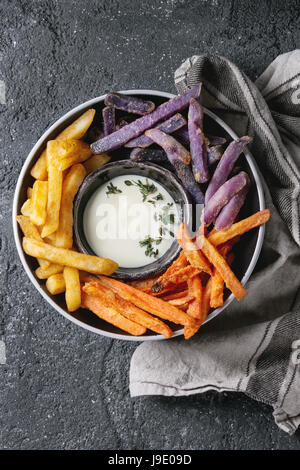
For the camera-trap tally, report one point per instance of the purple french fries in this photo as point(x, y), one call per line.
point(171, 146)
point(197, 142)
point(139, 126)
point(109, 120)
point(223, 195)
point(229, 213)
point(185, 174)
point(129, 104)
point(169, 126)
point(180, 159)
point(225, 165)
point(151, 155)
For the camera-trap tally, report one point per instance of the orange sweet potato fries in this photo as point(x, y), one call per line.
point(184, 294)
point(196, 280)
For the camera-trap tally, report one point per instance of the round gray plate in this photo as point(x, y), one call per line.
point(246, 256)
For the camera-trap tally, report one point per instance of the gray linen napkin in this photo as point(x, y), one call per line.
point(253, 346)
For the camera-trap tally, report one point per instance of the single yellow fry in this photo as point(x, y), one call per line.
point(76, 130)
point(29, 193)
point(95, 162)
point(39, 169)
point(56, 284)
point(44, 273)
point(67, 152)
point(39, 202)
point(89, 263)
point(28, 228)
point(55, 178)
point(64, 233)
point(73, 289)
point(26, 208)
point(31, 231)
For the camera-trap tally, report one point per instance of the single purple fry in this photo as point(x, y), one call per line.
point(197, 142)
point(229, 213)
point(171, 146)
point(139, 126)
point(109, 120)
point(185, 174)
point(130, 104)
point(180, 159)
point(225, 165)
point(151, 155)
point(223, 195)
point(169, 126)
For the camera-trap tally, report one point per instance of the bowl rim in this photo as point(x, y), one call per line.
point(185, 197)
point(28, 162)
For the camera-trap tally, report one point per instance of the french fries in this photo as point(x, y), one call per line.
point(195, 282)
point(66, 153)
point(56, 284)
point(55, 179)
point(195, 292)
point(64, 233)
point(190, 331)
point(222, 267)
point(107, 312)
point(95, 162)
point(91, 264)
point(243, 226)
point(157, 307)
point(31, 231)
point(194, 255)
point(45, 272)
point(39, 198)
point(26, 208)
point(179, 263)
point(73, 288)
point(178, 277)
point(76, 130)
point(129, 310)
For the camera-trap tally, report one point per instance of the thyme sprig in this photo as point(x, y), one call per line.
point(111, 189)
point(148, 243)
point(146, 189)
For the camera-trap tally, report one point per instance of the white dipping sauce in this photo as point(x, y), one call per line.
point(129, 222)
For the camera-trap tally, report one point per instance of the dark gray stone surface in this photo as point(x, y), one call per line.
point(62, 387)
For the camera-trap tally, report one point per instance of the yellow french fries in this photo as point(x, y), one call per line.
point(55, 179)
point(39, 202)
point(89, 263)
point(76, 130)
point(44, 273)
point(73, 288)
point(67, 153)
point(56, 284)
point(31, 231)
point(95, 162)
point(26, 208)
point(29, 192)
point(39, 169)
point(64, 233)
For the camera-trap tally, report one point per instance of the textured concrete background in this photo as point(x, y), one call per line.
point(62, 387)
